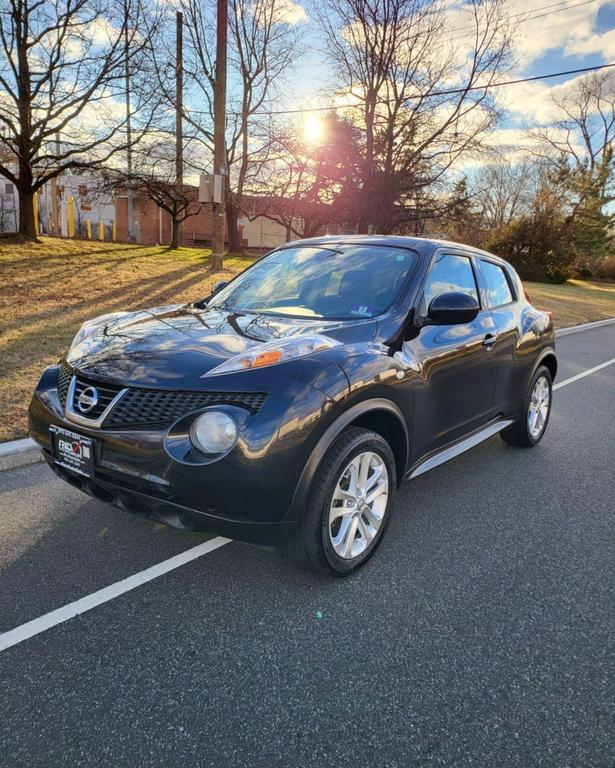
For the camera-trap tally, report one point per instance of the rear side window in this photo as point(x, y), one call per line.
point(498, 287)
point(450, 273)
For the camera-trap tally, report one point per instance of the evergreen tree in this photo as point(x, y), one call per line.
point(589, 191)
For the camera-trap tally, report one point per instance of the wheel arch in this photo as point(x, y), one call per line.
point(378, 414)
point(548, 359)
point(551, 362)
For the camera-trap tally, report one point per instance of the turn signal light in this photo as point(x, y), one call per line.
point(265, 358)
point(275, 352)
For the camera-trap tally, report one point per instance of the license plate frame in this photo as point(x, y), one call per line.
point(73, 451)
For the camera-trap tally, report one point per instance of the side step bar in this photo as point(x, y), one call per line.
point(454, 450)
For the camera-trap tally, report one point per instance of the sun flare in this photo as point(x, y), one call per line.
point(313, 129)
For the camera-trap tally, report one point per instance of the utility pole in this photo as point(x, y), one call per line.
point(129, 200)
point(179, 76)
point(217, 256)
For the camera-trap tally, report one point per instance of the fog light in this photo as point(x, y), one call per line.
point(213, 432)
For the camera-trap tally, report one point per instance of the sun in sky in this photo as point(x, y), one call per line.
point(313, 129)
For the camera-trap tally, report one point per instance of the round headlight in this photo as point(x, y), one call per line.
point(213, 432)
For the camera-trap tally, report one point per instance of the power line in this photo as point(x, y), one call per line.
point(566, 3)
point(449, 92)
point(560, 10)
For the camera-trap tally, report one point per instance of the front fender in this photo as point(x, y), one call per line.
point(356, 411)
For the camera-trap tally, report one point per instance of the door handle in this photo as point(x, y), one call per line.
point(489, 340)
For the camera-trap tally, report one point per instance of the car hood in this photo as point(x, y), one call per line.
point(175, 346)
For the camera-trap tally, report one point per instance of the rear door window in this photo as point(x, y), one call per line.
point(498, 288)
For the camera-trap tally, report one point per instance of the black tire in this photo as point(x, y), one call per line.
point(312, 545)
point(518, 433)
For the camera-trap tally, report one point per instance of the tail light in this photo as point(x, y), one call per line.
point(529, 301)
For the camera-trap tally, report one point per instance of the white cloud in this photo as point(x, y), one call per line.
point(567, 27)
point(101, 31)
point(528, 102)
point(517, 140)
point(570, 29)
point(533, 103)
point(290, 12)
point(603, 44)
point(512, 144)
point(280, 11)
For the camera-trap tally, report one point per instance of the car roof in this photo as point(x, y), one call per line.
point(424, 245)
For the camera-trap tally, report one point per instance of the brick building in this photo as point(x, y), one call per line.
point(152, 225)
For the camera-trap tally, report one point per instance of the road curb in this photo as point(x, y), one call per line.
point(19, 453)
point(583, 327)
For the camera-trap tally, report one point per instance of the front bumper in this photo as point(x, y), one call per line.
point(173, 514)
point(246, 495)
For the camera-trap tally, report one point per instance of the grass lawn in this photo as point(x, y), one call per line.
point(574, 302)
point(47, 291)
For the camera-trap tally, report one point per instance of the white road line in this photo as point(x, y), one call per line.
point(49, 620)
point(582, 375)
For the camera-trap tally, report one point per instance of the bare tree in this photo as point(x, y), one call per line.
point(504, 190)
point(585, 127)
point(263, 45)
point(62, 80)
point(421, 101)
point(180, 201)
point(154, 176)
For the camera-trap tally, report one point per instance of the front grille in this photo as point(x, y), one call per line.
point(64, 376)
point(149, 406)
point(142, 407)
point(106, 393)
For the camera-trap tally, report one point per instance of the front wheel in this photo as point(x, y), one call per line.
point(531, 424)
point(349, 505)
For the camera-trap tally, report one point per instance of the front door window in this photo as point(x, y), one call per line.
point(450, 272)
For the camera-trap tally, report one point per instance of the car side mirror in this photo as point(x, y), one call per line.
point(454, 308)
point(202, 303)
point(218, 287)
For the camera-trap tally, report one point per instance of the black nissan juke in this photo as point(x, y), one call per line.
point(287, 407)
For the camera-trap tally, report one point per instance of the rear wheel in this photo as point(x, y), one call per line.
point(531, 424)
point(349, 504)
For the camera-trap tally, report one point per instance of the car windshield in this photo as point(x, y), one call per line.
point(342, 282)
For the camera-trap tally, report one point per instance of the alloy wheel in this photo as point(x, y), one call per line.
point(539, 407)
point(358, 505)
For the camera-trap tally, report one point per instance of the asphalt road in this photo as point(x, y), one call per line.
point(481, 634)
